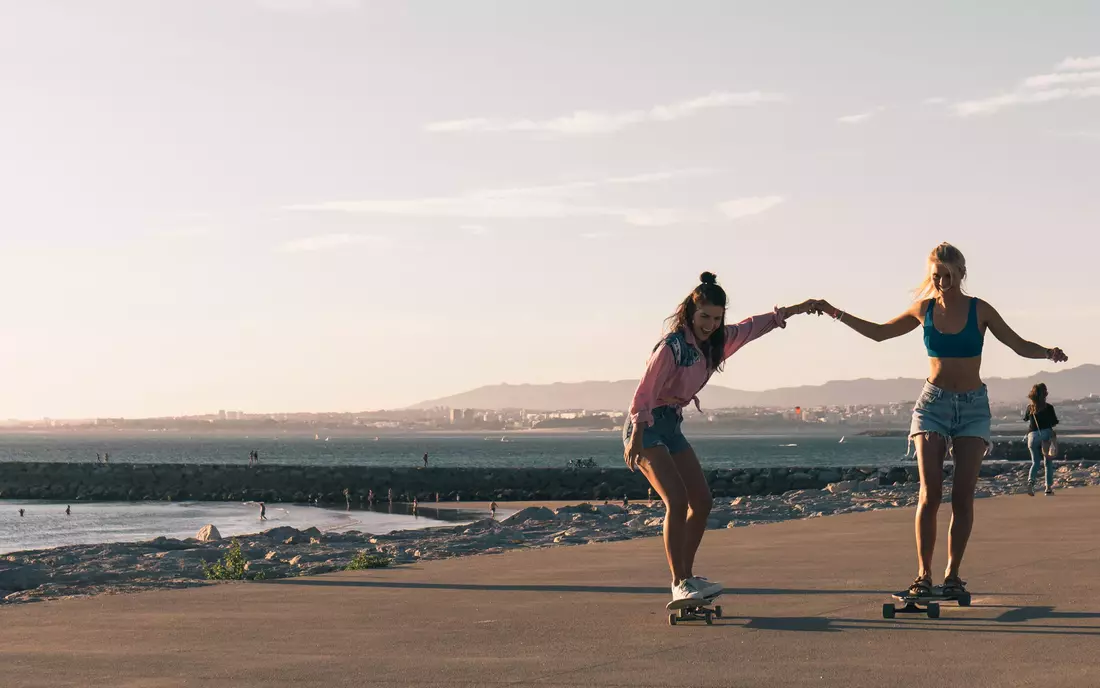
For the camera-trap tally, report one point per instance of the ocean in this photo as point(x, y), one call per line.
point(526, 450)
point(45, 523)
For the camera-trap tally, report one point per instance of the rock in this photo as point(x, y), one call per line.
point(531, 513)
point(208, 533)
point(19, 578)
point(610, 509)
point(271, 556)
point(282, 533)
point(260, 566)
point(828, 475)
point(170, 543)
point(842, 487)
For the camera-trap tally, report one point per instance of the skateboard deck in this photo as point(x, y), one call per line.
point(923, 604)
point(694, 610)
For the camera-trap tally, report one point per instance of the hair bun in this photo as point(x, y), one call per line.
point(708, 278)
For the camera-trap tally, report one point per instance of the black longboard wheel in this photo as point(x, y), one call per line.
point(718, 612)
point(933, 610)
point(964, 600)
point(709, 619)
point(672, 619)
point(888, 611)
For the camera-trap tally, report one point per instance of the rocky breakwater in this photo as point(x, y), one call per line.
point(285, 552)
point(301, 484)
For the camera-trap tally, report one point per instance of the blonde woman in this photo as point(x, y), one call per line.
point(953, 407)
point(1041, 419)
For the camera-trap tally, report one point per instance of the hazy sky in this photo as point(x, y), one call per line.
point(274, 205)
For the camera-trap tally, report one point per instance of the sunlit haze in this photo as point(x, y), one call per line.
point(291, 205)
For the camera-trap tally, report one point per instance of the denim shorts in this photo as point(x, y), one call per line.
point(952, 414)
point(665, 430)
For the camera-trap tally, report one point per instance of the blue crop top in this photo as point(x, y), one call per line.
point(965, 344)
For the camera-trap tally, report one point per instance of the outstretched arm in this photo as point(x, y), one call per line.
point(757, 326)
point(880, 332)
point(1009, 338)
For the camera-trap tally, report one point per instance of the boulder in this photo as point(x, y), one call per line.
point(208, 533)
point(281, 533)
point(610, 509)
point(17, 578)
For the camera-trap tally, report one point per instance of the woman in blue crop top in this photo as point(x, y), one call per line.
point(953, 408)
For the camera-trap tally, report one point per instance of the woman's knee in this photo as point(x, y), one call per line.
point(930, 498)
point(700, 504)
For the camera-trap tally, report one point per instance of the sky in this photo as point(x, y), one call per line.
point(333, 205)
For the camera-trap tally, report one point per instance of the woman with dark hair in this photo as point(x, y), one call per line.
point(697, 343)
point(1041, 420)
point(953, 408)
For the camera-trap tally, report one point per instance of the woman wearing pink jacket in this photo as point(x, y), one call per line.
point(681, 364)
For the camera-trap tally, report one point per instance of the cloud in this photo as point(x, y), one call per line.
point(934, 101)
point(1065, 84)
point(326, 242)
point(594, 122)
point(306, 6)
point(1073, 63)
point(556, 201)
point(861, 117)
point(477, 230)
point(1060, 78)
point(752, 205)
point(596, 235)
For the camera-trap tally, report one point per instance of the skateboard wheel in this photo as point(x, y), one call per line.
point(709, 619)
point(671, 619)
point(964, 600)
point(933, 610)
point(718, 612)
point(888, 611)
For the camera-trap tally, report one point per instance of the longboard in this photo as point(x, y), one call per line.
point(922, 604)
point(702, 609)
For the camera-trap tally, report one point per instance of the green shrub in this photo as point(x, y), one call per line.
point(363, 560)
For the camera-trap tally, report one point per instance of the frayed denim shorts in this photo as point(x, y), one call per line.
point(952, 414)
point(665, 430)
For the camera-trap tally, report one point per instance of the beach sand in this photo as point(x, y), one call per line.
point(803, 607)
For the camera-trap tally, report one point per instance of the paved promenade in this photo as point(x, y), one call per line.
point(803, 608)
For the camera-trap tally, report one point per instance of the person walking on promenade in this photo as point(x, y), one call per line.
point(952, 410)
point(1042, 443)
point(697, 344)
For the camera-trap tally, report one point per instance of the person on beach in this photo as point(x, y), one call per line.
point(493, 510)
point(20, 513)
point(425, 459)
point(263, 511)
point(697, 344)
point(1041, 419)
point(953, 408)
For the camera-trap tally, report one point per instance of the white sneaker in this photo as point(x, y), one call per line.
point(706, 587)
point(686, 590)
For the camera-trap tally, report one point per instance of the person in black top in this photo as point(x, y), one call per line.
point(1041, 419)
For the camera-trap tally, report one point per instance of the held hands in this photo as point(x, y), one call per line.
point(821, 306)
point(807, 306)
point(1057, 355)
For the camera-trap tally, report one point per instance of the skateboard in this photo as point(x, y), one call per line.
point(922, 604)
point(694, 610)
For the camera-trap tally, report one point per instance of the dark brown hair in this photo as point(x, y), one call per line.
point(708, 293)
point(1038, 393)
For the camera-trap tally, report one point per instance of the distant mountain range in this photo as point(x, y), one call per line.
point(1072, 383)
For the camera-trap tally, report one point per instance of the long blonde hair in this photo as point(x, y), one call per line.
point(951, 258)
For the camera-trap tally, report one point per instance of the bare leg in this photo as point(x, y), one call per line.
point(931, 450)
point(699, 503)
point(969, 452)
point(658, 467)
